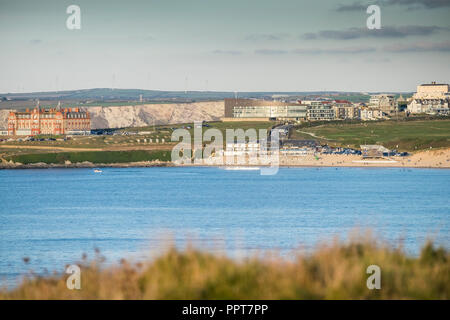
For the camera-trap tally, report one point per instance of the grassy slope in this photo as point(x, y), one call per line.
point(333, 272)
point(166, 130)
point(92, 156)
point(26, 156)
point(408, 135)
point(213, 124)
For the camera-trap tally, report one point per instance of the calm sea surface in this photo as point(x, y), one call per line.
point(54, 216)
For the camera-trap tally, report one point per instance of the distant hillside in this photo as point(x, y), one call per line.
point(126, 94)
point(107, 96)
point(116, 94)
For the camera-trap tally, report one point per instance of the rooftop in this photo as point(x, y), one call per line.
point(434, 84)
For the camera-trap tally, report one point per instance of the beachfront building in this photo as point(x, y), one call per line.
point(263, 110)
point(344, 109)
point(298, 147)
point(373, 151)
point(49, 121)
point(320, 111)
point(430, 98)
point(367, 114)
point(430, 106)
point(242, 148)
point(293, 143)
point(384, 102)
point(432, 90)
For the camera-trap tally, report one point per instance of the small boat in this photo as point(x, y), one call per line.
point(97, 170)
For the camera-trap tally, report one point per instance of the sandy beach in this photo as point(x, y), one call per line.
point(423, 159)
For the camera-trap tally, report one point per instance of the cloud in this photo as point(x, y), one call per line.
point(378, 60)
point(309, 36)
point(355, 6)
point(266, 37)
point(229, 52)
point(307, 51)
point(428, 4)
point(384, 32)
point(419, 47)
point(270, 51)
point(346, 50)
point(411, 4)
point(36, 41)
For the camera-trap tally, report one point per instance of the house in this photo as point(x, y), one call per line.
point(373, 151)
point(366, 113)
point(384, 102)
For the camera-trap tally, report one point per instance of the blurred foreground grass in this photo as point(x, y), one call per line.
point(337, 271)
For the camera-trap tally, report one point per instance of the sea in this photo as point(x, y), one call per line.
point(51, 218)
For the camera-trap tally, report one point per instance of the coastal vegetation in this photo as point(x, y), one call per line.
point(140, 144)
point(401, 135)
point(336, 271)
point(220, 125)
point(92, 156)
point(133, 140)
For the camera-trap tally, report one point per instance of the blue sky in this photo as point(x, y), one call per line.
point(245, 45)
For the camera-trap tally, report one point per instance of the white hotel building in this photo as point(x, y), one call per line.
point(431, 98)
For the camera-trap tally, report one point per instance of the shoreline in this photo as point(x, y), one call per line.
point(430, 159)
point(85, 165)
point(171, 165)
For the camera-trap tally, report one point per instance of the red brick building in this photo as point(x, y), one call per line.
point(49, 121)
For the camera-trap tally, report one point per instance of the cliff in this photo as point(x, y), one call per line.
point(147, 114)
point(4, 119)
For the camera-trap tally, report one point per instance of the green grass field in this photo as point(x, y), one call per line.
point(166, 130)
point(212, 124)
point(109, 145)
point(92, 156)
point(405, 135)
point(402, 135)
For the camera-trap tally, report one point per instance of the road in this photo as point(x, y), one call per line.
point(47, 148)
point(312, 135)
point(109, 148)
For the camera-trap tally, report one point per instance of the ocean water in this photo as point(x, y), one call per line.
point(53, 216)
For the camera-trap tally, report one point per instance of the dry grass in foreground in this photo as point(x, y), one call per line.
point(333, 272)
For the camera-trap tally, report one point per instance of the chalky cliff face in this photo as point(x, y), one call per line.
point(145, 115)
point(4, 114)
point(149, 114)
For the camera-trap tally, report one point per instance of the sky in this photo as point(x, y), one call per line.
point(233, 45)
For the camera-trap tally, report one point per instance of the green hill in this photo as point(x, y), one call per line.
point(402, 135)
